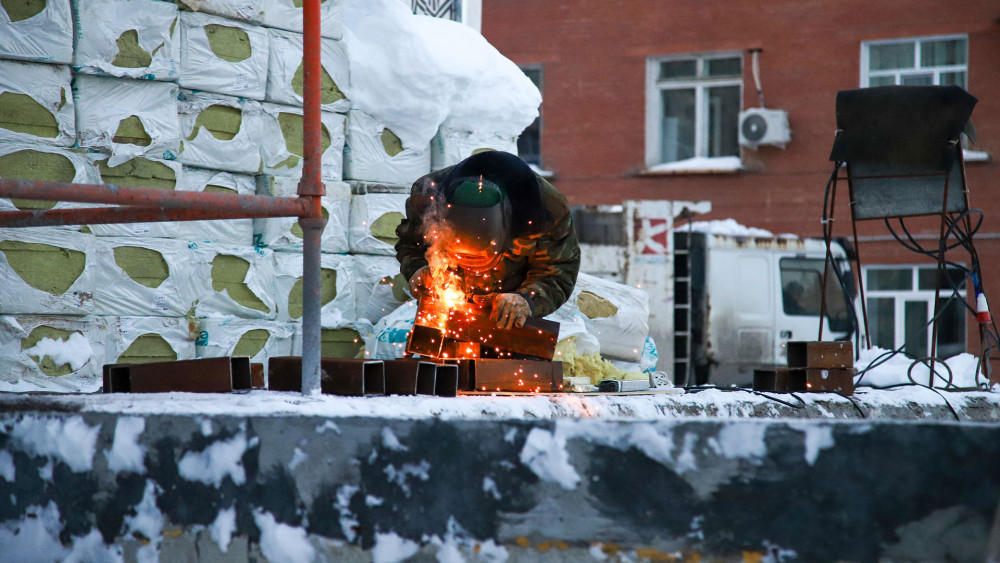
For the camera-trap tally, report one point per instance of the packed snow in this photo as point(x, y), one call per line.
point(126, 454)
point(417, 73)
point(223, 458)
point(71, 440)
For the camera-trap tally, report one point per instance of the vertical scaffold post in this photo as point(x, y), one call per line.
point(311, 187)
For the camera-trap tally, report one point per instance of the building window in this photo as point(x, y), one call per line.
point(529, 144)
point(900, 303)
point(926, 61)
point(693, 104)
point(802, 291)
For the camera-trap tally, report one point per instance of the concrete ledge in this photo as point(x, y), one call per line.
point(293, 487)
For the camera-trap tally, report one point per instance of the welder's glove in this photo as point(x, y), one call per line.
point(510, 309)
point(419, 281)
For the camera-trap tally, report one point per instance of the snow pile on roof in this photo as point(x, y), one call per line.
point(727, 227)
point(416, 73)
point(897, 369)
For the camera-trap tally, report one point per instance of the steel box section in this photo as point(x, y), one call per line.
point(203, 375)
point(446, 380)
point(403, 377)
point(527, 376)
point(837, 380)
point(339, 376)
point(827, 355)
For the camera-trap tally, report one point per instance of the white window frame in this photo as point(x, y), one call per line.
point(901, 296)
point(700, 85)
point(867, 74)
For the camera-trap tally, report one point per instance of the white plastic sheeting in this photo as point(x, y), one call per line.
point(51, 353)
point(46, 37)
point(374, 218)
point(203, 69)
point(234, 280)
point(143, 277)
point(149, 338)
point(380, 288)
point(245, 10)
point(257, 339)
point(617, 314)
point(50, 87)
point(451, 146)
point(287, 15)
point(335, 313)
point(106, 28)
point(158, 229)
point(285, 63)
point(46, 271)
point(229, 231)
point(235, 146)
point(366, 157)
point(284, 234)
point(281, 144)
point(103, 103)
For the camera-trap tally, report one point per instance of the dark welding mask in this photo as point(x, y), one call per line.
point(478, 220)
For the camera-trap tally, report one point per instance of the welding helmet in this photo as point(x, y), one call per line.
point(478, 221)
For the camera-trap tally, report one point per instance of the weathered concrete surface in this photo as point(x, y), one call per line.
point(527, 490)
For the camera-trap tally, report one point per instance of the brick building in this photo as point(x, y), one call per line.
point(642, 101)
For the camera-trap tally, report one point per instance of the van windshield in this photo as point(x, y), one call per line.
point(801, 292)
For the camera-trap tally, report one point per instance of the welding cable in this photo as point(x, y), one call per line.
point(857, 407)
point(947, 402)
point(801, 404)
point(949, 382)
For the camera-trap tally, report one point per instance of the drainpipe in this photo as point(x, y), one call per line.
point(310, 191)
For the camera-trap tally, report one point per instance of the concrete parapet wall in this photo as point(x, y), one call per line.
point(217, 488)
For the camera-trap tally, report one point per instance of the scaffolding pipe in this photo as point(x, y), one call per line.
point(310, 192)
point(262, 206)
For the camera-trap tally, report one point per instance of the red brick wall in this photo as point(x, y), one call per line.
point(593, 134)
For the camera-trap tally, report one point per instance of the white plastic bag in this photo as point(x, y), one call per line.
point(143, 277)
point(374, 218)
point(140, 40)
point(617, 314)
point(337, 301)
point(234, 281)
point(237, 66)
point(451, 146)
point(260, 340)
point(45, 36)
point(281, 145)
point(374, 153)
point(41, 104)
point(46, 271)
point(220, 132)
point(284, 233)
point(224, 231)
point(127, 118)
point(285, 14)
point(132, 340)
point(285, 70)
point(51, 353)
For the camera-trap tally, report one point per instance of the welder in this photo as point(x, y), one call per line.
point(505, 232)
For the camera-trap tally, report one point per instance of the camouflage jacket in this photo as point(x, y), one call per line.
point(541, 264)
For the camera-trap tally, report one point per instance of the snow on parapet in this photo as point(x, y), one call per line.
point(545, 454)
point(126, 454)
point(416, 73)
point(70, 440)
point(281, 542)
point(218, 460)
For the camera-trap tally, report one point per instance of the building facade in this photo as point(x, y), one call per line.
point(642, 100)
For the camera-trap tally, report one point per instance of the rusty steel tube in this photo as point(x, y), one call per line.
point(264, 206)
point(111, 215)
point(310, 191)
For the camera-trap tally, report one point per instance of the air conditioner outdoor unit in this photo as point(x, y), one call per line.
point(759, 126)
